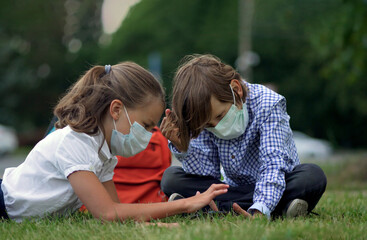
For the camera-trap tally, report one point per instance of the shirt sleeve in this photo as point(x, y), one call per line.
point(108, 170)
point(73, 154)
point(201, 157)
point(275, 138)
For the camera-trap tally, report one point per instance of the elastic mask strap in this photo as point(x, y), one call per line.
point(128, 118)
point(114, 123)
point(234, 99)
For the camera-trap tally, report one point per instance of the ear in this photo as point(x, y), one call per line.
point(116, 108)
point(237, 87)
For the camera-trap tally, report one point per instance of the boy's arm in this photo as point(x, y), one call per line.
point(278, 155)
point(201, 157)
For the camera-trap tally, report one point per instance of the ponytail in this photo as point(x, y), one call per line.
point(88, 100)
point(72, 108)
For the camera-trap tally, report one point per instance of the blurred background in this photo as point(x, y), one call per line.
point(313, 52)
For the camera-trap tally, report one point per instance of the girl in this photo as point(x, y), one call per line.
point(109, 111)
point(222, 126)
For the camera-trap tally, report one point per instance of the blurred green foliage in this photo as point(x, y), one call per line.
point(35, 62)
point(314, 51)
point(319, 63)
point(175, 29)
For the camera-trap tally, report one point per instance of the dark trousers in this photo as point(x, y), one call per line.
point(3, 214)
point(306, 181)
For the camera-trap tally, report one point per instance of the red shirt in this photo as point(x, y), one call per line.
point(137, 178)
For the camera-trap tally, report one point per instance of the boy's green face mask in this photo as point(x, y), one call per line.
point(233, 124)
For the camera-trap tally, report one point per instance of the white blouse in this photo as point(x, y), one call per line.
point(39, 186)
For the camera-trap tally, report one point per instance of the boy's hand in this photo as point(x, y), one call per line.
point(242, 212)
point(170, 130)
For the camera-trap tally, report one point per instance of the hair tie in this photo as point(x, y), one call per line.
point(107, 68)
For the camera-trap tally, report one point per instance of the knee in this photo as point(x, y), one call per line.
point(316, 175)
point(169, 180)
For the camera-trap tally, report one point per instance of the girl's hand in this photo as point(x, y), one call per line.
point(212, 204)
point(170, 130)
point(201, 200)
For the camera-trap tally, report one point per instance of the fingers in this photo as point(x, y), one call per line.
point(172, 135)
point(175, 135)
point(163, 125)
point(213, 206)
point(215, 187)
point(216, 193)
point(240, 211)
point(168, 129)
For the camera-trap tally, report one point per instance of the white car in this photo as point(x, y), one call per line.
point(8, 140)
point(311, 148)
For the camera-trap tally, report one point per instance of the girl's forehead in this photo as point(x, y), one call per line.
point(152, 109)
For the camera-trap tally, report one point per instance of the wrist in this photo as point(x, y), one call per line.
point(184, 205)
point(256, 212)
point(176, 151)
point(261, 207)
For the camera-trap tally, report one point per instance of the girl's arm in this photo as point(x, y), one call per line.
point(100, 204)
point(111, 189)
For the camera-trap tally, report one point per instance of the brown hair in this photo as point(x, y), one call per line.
point(196, 80)
point(88, 100)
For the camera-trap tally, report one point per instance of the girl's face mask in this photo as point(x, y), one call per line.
point(128, 145)
point(233, 124)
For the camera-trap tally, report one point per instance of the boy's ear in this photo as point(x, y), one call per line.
point(236, 86)
point(116, 108)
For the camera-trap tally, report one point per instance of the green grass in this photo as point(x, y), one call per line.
point(342, 209)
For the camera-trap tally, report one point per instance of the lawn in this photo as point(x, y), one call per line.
point(342, 215)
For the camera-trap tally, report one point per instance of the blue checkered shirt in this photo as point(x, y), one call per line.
point(260, 156)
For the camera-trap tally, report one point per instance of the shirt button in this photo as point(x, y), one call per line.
point(233, 157)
